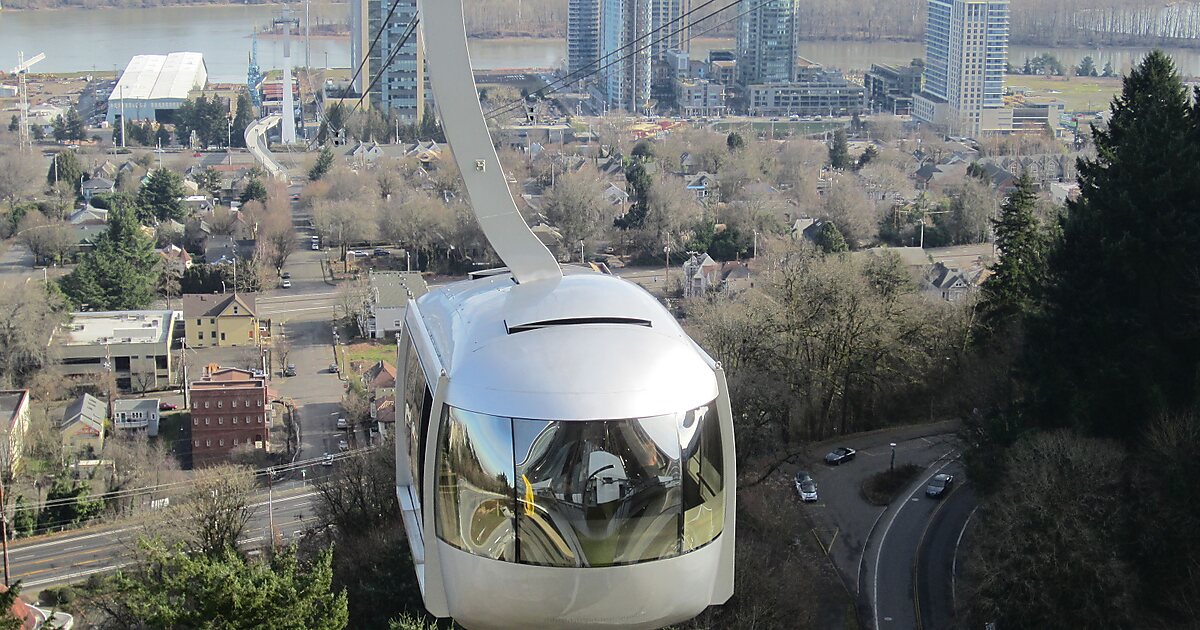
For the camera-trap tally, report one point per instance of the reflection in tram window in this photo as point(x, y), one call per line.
point(597, 493)
point(475, 489)
point(417, 402)
point(703, 490)
point(580, 493)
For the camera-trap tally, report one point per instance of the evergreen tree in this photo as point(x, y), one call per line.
point(869, 155)
point(255, 191)
point(830, 239)
point(59, 128)
point(839, 151)
point(324, 163)
point(1108, 70)
point(241, 120)
point(37, 132)
point(1118, 344)
point(74, 125)
point(1087, 68)
point(68, 503)
point(1018, 277)
point(120, 273)
point(8, 620)
point(639, 183)
point(66, 168)
point(161, 197)
point(734, 141)
point(175, 589)
point(14, 124)
point(24, 519)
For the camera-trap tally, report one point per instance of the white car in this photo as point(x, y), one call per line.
point(341, 423)
point(316, 246)
point(343, 445)
point(287, 284)
point(807, 490)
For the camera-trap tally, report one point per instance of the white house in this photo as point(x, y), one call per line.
point(388, 293)
point(136, 414)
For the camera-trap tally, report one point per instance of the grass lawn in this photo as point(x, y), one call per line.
point(169, 425)
point(371, 352)
point(1081, 94)
point(781, 128)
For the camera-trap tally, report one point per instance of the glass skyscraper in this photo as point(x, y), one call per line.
point(966, 54)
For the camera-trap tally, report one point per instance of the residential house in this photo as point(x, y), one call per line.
point(934, 176)
point(736, 277)
point(616, 196)
point(231, 409)
point(700, 274)
point(197, 203)
point(134, 345)
point(223, 249)
point(947, 283)
point(14, 411)
point(87, 225)
point(703, 185)
point(364, 154)
point(97, 186)
point(388, 293)
point(134, 414)
point(83, 425)
point(176, 258)
point(1001, 179)
point(428, 153)
point(226, 320)
point(380, 380)
point(383, 411)
point(107, 170)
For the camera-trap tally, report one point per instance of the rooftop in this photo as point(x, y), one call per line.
point(10, 402)
point(135, 404)
point(119, 327)
point(204, 305)
point(161, 76)
point(392, 288)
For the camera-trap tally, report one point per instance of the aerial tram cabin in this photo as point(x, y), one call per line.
point(565, 452)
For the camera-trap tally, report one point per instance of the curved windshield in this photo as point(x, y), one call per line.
point(580, 494)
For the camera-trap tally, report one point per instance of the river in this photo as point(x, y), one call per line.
point(106, 39)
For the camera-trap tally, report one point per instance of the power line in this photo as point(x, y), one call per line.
point(412, 27)
point(367, 54)
point(570, 78)
point(545, 91)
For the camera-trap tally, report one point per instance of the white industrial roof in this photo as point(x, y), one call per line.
point(162, 76)
point(120, 327)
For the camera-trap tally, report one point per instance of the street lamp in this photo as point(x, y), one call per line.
point(893, 467)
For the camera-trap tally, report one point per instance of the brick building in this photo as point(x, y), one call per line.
point(231, 409)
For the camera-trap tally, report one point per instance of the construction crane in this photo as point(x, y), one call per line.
point(23, 66)
point(254, 76)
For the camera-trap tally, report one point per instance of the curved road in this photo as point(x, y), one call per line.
point(256, 142)
point(908, 523)
point(936, 567)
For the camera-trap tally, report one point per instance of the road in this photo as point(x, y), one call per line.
point(72, 556)
point(937, 561)
point(900, 534)
point(256, 141)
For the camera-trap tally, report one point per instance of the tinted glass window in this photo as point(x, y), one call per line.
point(475, 490)
point(596, 493)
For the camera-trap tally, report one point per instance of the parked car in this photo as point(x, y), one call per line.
point(290, 370)
point(939, 486)
point(801, 477)
point(840, 455)
point(379, 251)
point(316, 245)
point(333, 368)
point(287, 284)
point(342, 424)
point(343, 445)
point(287, 275)
point(167, 406)
point(807, 490)
point(328, 461)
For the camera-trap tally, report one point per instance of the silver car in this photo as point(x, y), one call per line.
point(807, 490)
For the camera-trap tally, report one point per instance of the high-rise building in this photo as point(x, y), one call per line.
point(359, 40)
point(401, 88)
point(668, 25)
point(766, 43)
point(625, 29)
point(966, 53)
point(583, 36)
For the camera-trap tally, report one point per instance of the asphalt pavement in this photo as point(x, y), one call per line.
point(937, 564)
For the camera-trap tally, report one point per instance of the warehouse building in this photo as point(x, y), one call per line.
point(152, 87)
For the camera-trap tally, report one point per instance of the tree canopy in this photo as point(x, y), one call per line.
point(120, 273)
point(161, 197)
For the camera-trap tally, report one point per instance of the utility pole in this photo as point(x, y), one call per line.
point(4, 532)
point(122, 116)
point(271, 504)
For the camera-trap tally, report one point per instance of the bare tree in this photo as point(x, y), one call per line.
point(275, 229)
point(576, 206)
point(46, 239)
point(851, 211)
point(18, 177)
point(29, 314)
point(217, 508)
